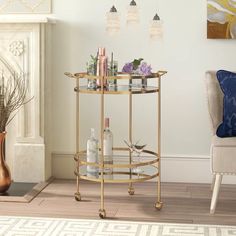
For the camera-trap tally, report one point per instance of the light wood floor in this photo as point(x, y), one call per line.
point(183, 203)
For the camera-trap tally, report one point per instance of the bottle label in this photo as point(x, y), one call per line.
point(108, 158)
point(107, 150)
point(92, 156)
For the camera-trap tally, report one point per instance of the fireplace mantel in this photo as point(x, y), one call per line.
point(29, 18)
point(28, 149)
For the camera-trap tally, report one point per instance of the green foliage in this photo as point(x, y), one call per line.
point(94, 58)
point(136, 63)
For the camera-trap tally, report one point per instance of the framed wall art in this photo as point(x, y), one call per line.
point(221, 19)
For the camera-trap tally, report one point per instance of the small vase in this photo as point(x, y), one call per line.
point(5, 175)
point(144, 82)
point(137, 82)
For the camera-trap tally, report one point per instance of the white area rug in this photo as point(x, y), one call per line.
point(24, 226)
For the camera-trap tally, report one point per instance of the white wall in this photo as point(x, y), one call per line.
point(184, 52)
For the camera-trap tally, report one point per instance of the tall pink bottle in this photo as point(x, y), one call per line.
point(102, 66)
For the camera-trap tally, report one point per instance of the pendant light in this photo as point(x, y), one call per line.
point(113, 22)
point(156, 30)
point(133, 14)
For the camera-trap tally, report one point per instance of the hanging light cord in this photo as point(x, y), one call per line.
point(157, 17)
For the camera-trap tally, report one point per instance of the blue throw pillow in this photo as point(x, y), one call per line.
point(227, 82)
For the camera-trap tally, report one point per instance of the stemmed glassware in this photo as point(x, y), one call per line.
point(137, 149)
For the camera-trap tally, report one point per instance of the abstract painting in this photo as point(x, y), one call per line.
point(221, 19)
point(25, 6)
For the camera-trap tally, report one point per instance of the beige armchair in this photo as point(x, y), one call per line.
point(223, 150)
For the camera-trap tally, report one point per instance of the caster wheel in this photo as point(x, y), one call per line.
point(102, 214)
point(158, 205)
point(131, 191)
point(77, 197)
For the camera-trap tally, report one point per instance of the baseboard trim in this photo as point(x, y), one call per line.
point(174, 168)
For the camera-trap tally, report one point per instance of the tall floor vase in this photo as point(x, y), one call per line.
point(5, 175)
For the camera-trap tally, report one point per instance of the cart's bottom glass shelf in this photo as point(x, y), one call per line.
point(119, 177)
point(127, 168)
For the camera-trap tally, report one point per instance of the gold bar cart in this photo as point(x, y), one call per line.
point(154, 161)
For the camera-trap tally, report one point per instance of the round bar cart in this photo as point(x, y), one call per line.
point(124, 169)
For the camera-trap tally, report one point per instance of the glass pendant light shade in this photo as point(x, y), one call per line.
point(113, 22)
point(156, 29)
point(133, 14)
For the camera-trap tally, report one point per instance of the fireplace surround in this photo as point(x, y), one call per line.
point(25, 48)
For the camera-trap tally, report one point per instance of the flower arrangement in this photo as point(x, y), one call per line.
point(137, 66)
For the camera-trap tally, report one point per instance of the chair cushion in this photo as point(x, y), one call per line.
point(223, 142)
point(227, 82)
point(223, 153)
point(223, 160)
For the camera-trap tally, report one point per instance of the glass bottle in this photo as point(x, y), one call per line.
point(92, 155)
point(102, 67)
point(92, 70)
point(108, 148)
point(112, 71)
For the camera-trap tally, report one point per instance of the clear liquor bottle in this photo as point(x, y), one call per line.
point(108, 148)
point(92, 155)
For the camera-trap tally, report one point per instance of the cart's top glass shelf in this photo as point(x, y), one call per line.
point(130, 88)
point(120, 75)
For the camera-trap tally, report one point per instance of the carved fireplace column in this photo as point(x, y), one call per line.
point(25, 48)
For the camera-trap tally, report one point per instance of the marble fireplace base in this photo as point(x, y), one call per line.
point(23, 192)
point(29, 163)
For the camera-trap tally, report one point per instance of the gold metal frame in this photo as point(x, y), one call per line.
point(80, 156)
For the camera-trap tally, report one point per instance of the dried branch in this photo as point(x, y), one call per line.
point(13, 92)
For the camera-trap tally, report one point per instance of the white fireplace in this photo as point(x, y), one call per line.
point(25, 47)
